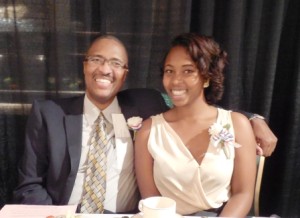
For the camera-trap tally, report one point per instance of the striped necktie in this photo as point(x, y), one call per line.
point(95, 180)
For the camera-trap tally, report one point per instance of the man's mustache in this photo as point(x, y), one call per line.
point(108, 76)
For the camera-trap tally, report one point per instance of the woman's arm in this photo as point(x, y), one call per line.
point(244, 173)
point(144, 162)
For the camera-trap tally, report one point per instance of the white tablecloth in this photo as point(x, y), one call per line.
point(42, 211)
point(121, 216)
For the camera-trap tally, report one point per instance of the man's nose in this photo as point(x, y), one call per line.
point(105, 67)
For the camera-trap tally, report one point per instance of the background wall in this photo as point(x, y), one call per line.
point(42, 45)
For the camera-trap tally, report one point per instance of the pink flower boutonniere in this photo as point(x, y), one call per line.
point(222, 138)
point(134, 124)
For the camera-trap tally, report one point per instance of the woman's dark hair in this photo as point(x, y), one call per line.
point(210, 59)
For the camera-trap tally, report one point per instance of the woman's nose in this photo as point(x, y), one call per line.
point(177, 78)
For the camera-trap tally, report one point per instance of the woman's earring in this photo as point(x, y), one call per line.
point(206, 84)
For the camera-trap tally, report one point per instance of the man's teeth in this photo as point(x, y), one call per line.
point(103, 80)
point(178, 92)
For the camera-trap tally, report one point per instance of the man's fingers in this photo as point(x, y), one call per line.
point(259, 150)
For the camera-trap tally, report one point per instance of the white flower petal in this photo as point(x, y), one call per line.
point(135, 122)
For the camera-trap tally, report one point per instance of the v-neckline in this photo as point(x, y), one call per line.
point(174, 133)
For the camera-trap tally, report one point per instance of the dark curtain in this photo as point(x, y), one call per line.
point(42, 44)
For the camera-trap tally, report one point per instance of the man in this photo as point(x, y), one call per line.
point(53, 168)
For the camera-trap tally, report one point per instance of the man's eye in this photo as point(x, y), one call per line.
point(116, 63)
point(95, 60)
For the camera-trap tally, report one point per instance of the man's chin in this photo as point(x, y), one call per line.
point(104, 96)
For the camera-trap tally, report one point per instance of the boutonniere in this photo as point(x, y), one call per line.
point(222, 138)
point(134, 124)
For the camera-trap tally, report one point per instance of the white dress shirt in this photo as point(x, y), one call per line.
point(121, 189)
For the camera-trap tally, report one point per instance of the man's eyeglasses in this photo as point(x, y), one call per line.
point(99, 60)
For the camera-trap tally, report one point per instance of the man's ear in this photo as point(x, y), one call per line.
point(125, 74)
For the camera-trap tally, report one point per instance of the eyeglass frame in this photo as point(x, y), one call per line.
point(102, 60)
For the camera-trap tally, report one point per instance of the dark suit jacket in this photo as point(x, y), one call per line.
point(52, 151)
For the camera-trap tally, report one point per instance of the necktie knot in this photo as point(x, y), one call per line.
point(101, 121)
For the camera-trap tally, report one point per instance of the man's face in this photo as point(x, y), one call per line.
point(105, 71)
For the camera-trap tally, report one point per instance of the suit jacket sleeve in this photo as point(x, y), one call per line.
point(143, 102)
point(33, 166)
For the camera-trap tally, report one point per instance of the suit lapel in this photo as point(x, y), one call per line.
point(128, 109)
point(73, 128)
point(73, 125)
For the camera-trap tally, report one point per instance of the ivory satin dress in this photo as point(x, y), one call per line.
point(179, 176)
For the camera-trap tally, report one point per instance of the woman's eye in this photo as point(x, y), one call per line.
point(168, 71)
point(188, 71)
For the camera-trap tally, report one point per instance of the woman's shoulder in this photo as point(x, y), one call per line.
point(235, 116)
point(146, 124)
point(240, 123)
point(239, 117)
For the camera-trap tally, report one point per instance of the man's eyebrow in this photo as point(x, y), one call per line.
point(100, 56)
point(117, 59)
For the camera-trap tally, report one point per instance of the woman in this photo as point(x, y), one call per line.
point(201, 156)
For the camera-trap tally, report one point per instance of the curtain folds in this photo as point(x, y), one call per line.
point(42, 45)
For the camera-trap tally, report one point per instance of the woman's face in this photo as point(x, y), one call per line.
point(181, 77)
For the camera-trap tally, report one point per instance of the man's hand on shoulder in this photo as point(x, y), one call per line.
point(265, 138)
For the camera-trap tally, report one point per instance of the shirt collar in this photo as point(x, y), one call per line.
point(91, 112)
